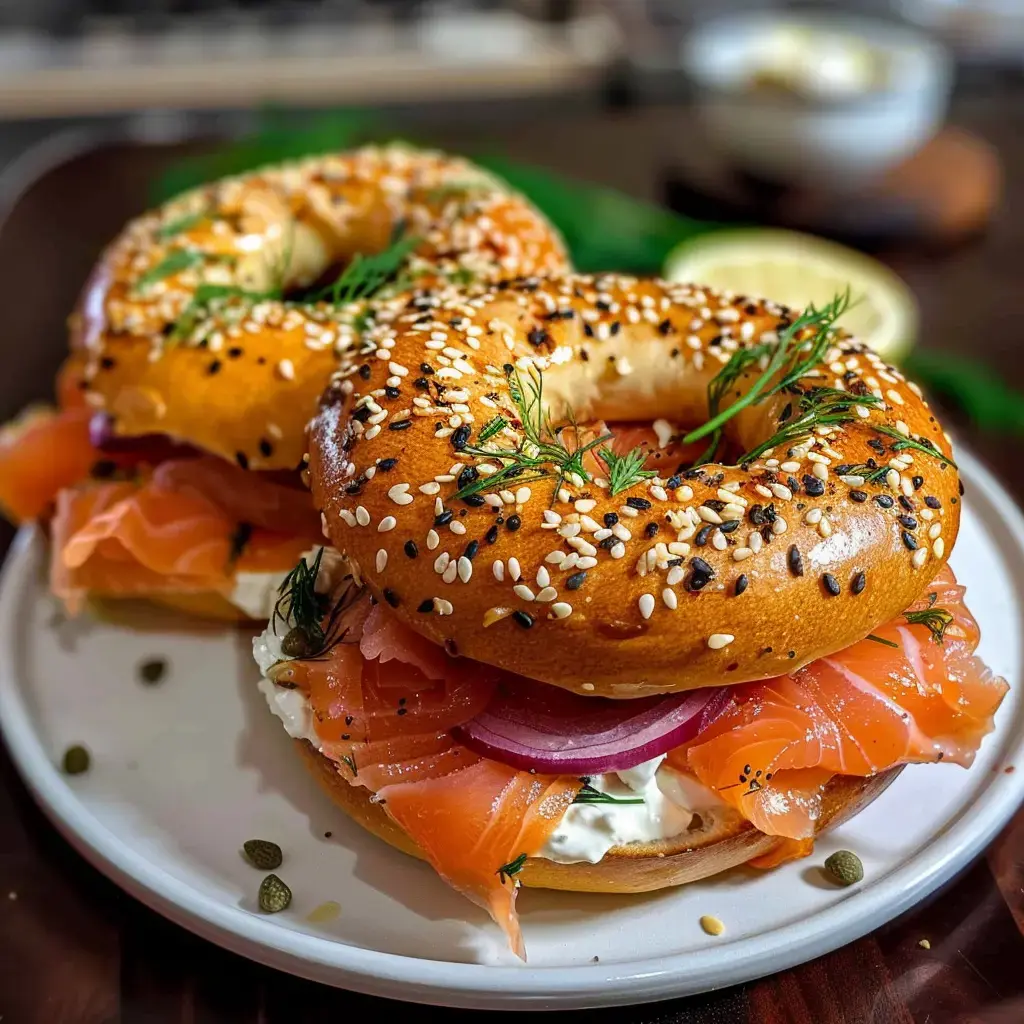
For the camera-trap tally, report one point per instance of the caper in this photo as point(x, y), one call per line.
point(845, 867)
point(296, 643)
point(263, 854)
point(274, 896)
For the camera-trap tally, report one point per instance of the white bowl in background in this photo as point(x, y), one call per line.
point(841, 136)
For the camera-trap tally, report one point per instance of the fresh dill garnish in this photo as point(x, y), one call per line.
point(491, 428)
point(461, 276)
point(936, 620)
point(174, 262)
point(315, 623)
point(351, 762)
point(181, 224)
point(239, 539)
point(625, 470)
point(589, 795)
point(816, 407)
point(366, 275)
point(881, 640)
point(542, 453)
point(902, 443)
point(513, 867)
point(788, 356)
point(204, 296)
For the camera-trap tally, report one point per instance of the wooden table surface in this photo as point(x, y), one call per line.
point(76, 950)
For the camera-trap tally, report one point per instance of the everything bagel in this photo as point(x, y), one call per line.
point(184, 330)
point(844, 502)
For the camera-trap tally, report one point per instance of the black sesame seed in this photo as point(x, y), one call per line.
point(513, 523)
point(354, 488)
point(421, 383)
point(795, 560)
point(467, 476)
point(108, 363)
point(364, 371)
point(411, 549)
point(884, 500)
point(471, 549)
point(906, 503)
point(445, 517)
point(524, 619)
point(651, 529)
point(859, 496)
point(814, 487)
point(538, 336)
point(908, 521)
point(700, 566)
point(392, 392)
point(908, 541)
point(426, 368)
point(575, 581)
point(426, 606)
point(918, 482)
point(614, 328)
point(640, 504)
point(391, 597)
point(741, 584)
point(473, 500)
point(608, 543)
point(399, 424)
point(385, 464)
point(858, 583)
point(242, 459)
point(214, 367)
point(588, 330)
point(729, 525)
point(610, 519)
point(461, 437)
point(932, 502)
point(831, 584)
point(697, 581)
point(673, 482)
point(702, 535)
point(362, 414)
point(266, 448)
point(234, 352)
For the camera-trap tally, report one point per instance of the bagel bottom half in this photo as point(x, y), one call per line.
point(716, 844)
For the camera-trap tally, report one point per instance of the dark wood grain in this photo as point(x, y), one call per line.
point(75, 950)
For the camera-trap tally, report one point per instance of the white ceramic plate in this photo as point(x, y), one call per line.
point(185, 771)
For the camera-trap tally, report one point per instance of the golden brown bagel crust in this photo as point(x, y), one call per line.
point(237, 376)
point(655, 601)
point(718, 844)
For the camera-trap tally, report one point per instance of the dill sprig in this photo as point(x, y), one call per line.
point(901, 443)
point(935, 620)
point(366, 275)
point(881, 640)
point(174, 262)
point(315, 623)
point(816, 407)
point(182, 224)
point(788, 356)
point(351, 762)
point(589, 795)
point(540, 454)
point(625, 470)
point(507, 871)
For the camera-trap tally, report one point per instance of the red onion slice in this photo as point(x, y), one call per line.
point(154, 446)
point(533, 725)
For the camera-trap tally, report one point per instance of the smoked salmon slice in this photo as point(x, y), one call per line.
point(167, 532)
point(913, 692)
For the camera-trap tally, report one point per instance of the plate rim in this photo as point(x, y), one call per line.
point(479, 986)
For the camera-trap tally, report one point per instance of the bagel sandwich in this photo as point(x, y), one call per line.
point(628, 583)
point(171, 469)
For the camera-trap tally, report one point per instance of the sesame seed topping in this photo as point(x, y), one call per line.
point(719, 640)
point(646, 604)
point(382, 560)
point(386, 524)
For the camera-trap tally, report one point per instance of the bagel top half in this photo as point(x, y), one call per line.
point(182, 329)
point(724, 573)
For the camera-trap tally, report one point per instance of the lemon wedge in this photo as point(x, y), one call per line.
point(799, 270)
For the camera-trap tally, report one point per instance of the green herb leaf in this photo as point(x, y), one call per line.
point(507, 871)
point(817, 407)
point(589, 795)
point(800, 356)
point(902, 443)
point(351, 762)
point(936, 620)
point(173, 263)
point(542, 453)
point(367, 275)
point(880, 640)
point(625, 470)
point(182, 224)
point(491, 428)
